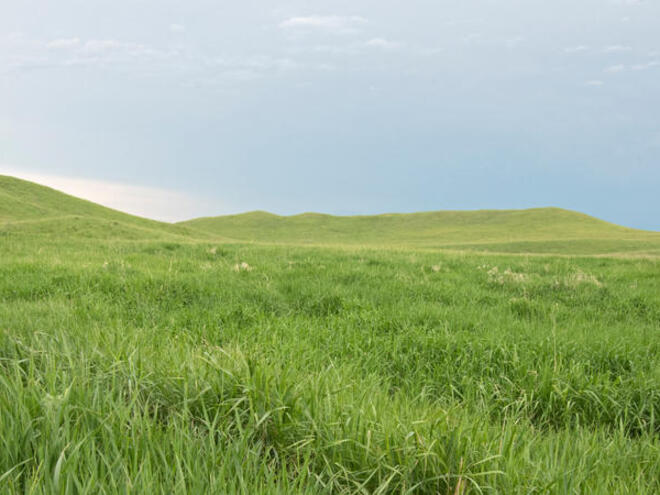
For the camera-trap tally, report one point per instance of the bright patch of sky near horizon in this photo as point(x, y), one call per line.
point(359, 106)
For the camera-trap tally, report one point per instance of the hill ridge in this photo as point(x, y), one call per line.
point(30, 208)
point(27, 208)
point(546, 227)
point(267, 214)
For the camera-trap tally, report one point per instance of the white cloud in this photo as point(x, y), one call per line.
point(63, 43)
point(334, 50)
point(255, 64)
point(616, 48)
point(594, 83)
point(149, 202)
point(111, 54)
point(647, 65)
point(616, 68)
point(383, 43)
point(116, 51)
point(177, 28)
point(576, 49)
point(332, 23)
point(109, 45)
point(217, 71)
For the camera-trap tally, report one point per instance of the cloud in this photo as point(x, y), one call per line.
point(143, 60)
point(117, 52)
point(383, 43)
point(150, 202)
point(594, 83)
point(616, 68)
point(110, 45)
point(576, 49)
point(63, 43)
point(177, 28)
point(616, 48)
point(333, 23)
point(256, 63)
point(647, 65)
point(218, 71)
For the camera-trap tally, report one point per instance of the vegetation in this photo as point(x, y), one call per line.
point(28, 208)
point(170, 362)
point(539, 230)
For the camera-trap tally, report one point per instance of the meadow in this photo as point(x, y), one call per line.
point(139, 357)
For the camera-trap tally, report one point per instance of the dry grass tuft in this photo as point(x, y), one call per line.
point(242, 267)
point(580, 278)
point(506, 277)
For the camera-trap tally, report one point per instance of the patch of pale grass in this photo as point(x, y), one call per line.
point(506, 277)
point(242, 267)
point(580, 278)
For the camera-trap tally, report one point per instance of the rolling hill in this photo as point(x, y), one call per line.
point(30, 209)
point(539, 230)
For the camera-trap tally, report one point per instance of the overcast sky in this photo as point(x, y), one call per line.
point(174, 109)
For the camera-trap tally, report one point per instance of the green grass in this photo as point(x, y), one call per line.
point(185, 365)
point(28, 208)
point(539, 230)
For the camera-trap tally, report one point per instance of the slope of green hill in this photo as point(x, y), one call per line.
point(544, 230)
point(29, 208)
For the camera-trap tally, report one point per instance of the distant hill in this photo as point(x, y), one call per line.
point(29, 208)
point(538, 230)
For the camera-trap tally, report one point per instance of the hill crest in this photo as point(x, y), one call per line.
point(29, 208)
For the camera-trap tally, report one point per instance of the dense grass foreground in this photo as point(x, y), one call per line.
point(153, 367)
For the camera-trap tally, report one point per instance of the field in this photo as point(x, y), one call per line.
point(142, 357)
point(538, 230)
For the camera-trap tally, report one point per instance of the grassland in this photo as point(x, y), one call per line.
point(538, 230)
point(183, 363)
point(27, 208)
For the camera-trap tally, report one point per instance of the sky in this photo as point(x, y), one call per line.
point(174, 109)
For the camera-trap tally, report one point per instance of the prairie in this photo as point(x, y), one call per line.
point(237, 357)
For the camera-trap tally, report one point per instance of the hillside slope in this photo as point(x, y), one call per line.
point(544, 230)
point(29, 208)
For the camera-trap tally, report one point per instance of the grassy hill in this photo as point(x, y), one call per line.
point(29, 208)
point(542, 230)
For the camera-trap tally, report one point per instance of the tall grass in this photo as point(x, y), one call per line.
point(157, 367)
